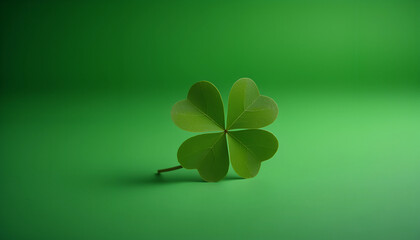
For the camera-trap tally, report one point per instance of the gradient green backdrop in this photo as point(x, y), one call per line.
point(86, 92)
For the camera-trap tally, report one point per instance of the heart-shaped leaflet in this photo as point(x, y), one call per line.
point(202, 111)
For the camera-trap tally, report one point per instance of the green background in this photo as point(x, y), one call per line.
point(86, 93)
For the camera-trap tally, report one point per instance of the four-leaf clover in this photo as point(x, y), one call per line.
point(209, 153)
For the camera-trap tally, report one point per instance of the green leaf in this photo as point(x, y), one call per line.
point(247, 108)
point(202, 111)
point(248, 148)
point(208, 154)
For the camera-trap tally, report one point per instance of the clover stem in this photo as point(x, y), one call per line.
point(169, 169)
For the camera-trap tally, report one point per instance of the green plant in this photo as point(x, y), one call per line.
point(203, 111)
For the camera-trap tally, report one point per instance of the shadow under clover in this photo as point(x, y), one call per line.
point(156, 179)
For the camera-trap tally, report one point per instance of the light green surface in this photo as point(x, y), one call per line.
point(85, 119)
point(347, 167)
